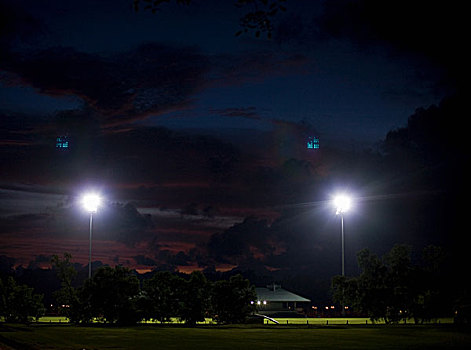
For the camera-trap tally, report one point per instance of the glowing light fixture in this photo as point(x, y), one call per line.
point(91, 202)
point(342, 203)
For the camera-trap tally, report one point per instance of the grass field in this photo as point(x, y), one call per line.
point(41, 336)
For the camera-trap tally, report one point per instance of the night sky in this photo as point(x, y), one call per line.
point(196, 137)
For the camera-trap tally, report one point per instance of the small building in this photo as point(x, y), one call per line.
point(276, 301)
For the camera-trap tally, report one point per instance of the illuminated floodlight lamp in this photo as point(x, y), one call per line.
point(91, 202)
point(342, 203)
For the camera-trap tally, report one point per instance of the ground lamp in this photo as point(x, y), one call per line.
point(90, 203)
point(342, 203)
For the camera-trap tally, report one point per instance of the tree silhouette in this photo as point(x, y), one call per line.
point(231, 300)
point(195, 298)
point(393, 287)
point(112, 292)
point(18, 302)
point(163, 292)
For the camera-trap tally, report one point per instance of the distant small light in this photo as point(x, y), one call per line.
point(258, 302)
point(264, 302)
point(332, 307)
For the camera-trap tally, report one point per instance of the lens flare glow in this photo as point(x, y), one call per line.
point(342, 203)
point(91, 202)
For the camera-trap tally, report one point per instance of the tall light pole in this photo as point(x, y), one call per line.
point(342, 204)
point(91, 202)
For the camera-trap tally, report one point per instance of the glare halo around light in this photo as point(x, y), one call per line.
point(91, 202)
point(342, 203)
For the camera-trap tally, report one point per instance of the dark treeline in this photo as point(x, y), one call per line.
point(396, 288)
point(115, 295)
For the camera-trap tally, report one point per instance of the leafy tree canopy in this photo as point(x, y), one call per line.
point(393, 287)
point(19, 303)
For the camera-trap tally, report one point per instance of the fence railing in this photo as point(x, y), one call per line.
point(349, 321)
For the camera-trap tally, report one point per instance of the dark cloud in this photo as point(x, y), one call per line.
point(152, 79)
point(143, 260)
point(432, 147)
point(234, 244)
point(123, 223)
point(164, 258)
point(18, 26)
point(160, 156)
point(407, 25)
point(425, 38)
point(297, 241)
point(43, 258)
point(238, 69)
point(243, 112)
point(178, 259)
point(435, 30)
point(19, 129)
point(436, 132)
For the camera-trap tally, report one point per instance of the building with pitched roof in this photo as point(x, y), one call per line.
point(274, 300)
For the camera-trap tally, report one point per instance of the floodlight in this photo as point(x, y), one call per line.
point(342, 203)
point(91, 202)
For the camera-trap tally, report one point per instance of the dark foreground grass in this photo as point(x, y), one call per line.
point(244, 337)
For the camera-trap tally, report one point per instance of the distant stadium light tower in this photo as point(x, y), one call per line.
point(91, 202)
point(342, 204)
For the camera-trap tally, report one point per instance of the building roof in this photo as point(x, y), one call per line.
point(278, 294)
